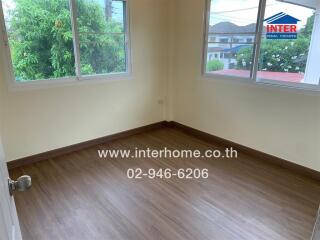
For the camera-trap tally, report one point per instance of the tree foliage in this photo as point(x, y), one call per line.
point(284, 56)
point(41, 39)
point(307, 30)
point(244, 58)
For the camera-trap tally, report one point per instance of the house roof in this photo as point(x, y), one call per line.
point(226, 50)
point(282, 18)
point(215, 49)
point(228, 27)
point(235, 49)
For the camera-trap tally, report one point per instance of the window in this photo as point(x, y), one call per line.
point(286, 60)
point(57, 39)
point(271, 41)
point(236, 40)
point(229, 26)
point(224, 40)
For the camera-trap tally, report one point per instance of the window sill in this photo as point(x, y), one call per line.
point(214, 76)
point(293, 86)
point(15, 86)
point(298, 87)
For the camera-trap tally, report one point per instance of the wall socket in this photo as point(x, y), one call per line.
point(160, 101)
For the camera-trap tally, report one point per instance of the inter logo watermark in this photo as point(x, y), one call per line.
point(282, 26)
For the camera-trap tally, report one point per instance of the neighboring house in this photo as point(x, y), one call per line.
point(226, 39)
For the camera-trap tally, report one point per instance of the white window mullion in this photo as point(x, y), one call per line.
point(312, 75)
point(76, 43)
point(206, 36)
point(126, 36)
point(262, 9)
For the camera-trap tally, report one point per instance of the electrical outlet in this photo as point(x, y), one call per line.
point(160, 101)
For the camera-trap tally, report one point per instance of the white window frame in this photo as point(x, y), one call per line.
point(312, 71)
point(78, 78)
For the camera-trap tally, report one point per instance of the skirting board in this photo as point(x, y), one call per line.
point(191, 131)
point(250, 151)
point(83, 145)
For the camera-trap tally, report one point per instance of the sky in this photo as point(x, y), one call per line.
point(244, 12)
point(7, 5)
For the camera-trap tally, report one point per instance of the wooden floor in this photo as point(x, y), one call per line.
point(79, 196)
point(316, 233)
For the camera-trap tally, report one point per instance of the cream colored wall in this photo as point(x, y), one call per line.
point(41, 120)
point(273, 120)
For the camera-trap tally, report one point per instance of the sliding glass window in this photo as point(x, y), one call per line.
point(231, 37)
point(268, 41)
point(65, 39)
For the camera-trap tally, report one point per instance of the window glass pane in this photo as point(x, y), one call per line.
point(284, 50)
point(102, 37)
point(228, 15)
point(40, 38)
point(234, 59)
point(101, 54)
point(100, 16)
point(231, 37)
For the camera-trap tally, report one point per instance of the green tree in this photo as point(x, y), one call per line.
point(100, 53)
point(41, 39)
point(307, 30)
point(284, 55)
point(214, 65)
point(244, 58)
